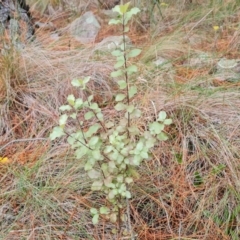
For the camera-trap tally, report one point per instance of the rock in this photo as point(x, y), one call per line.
point(195, 40)
point(4, 14)
point(163, 63)
point(54, 36)
point(22, 9)
point(85, 28)
point(111, 43)
point(199, 61)
point(228, 70)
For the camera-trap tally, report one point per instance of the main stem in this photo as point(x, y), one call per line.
point(126, 74)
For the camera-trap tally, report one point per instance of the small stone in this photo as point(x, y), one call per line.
point(111, 43)
point(85, 28)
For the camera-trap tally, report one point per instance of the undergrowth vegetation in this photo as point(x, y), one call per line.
point(189, 187)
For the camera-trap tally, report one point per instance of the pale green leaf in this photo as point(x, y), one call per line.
point(93, 141)
point(78, 103)
point(117, 9)
point(108, 149)
point(100, 116)
point(65, 108)
point(119, 64)
point(71, 99)
point(96, 154)
point(115, 156)
point(121, 129)
point(108, 181)
point(136, 113)
point(136, 160)
point(132, 91)
point(63, 119)
point(123, 46)
point(144, 154)
point(71, 139)
point(90, 98)
point(120, 106)
point(120, 97)
point(127, 17)
point(93, 174)
point(73, 115)
point(128, 194)
point(167, 121)
point(88, 115)
point(120, 178)
point(80, 152)
point(86, 80)
point(134, 130)
point(104, 167)
point(93, 211)
point(104, 210)
point(95, 219)
point(134, 52)
point(162, 116)
point(130, 108)
point(111, 165)
point(93, 129)
point(97, 186)
point(94, 106)
point(117, 53)
point(114, 21)
point(139, 146)
point(122, 84)
point(162, 136)
point(122, 188)
point(125, 152)
point(128, 180)
point(156, 127)
point(134, 10)
point(150, 142)
point(77, 82)
point(88, 166)
point(117, 73)
point(112, 193)
point(131, 69)
point(120, 58)
point(56, 133)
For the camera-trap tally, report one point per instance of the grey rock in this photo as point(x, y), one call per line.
point(200, 60)
point(19, 6)
point(111, 43)
point(4, 14)
point(54, 36)
point(228, 70)
point(163, 63)
point(85, 28)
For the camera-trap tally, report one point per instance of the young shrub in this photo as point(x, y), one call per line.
point(112, 150)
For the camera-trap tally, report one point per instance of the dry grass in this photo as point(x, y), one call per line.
point(190, 188)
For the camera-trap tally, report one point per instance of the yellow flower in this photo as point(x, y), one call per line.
point(4, 160)
point(216, 28)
